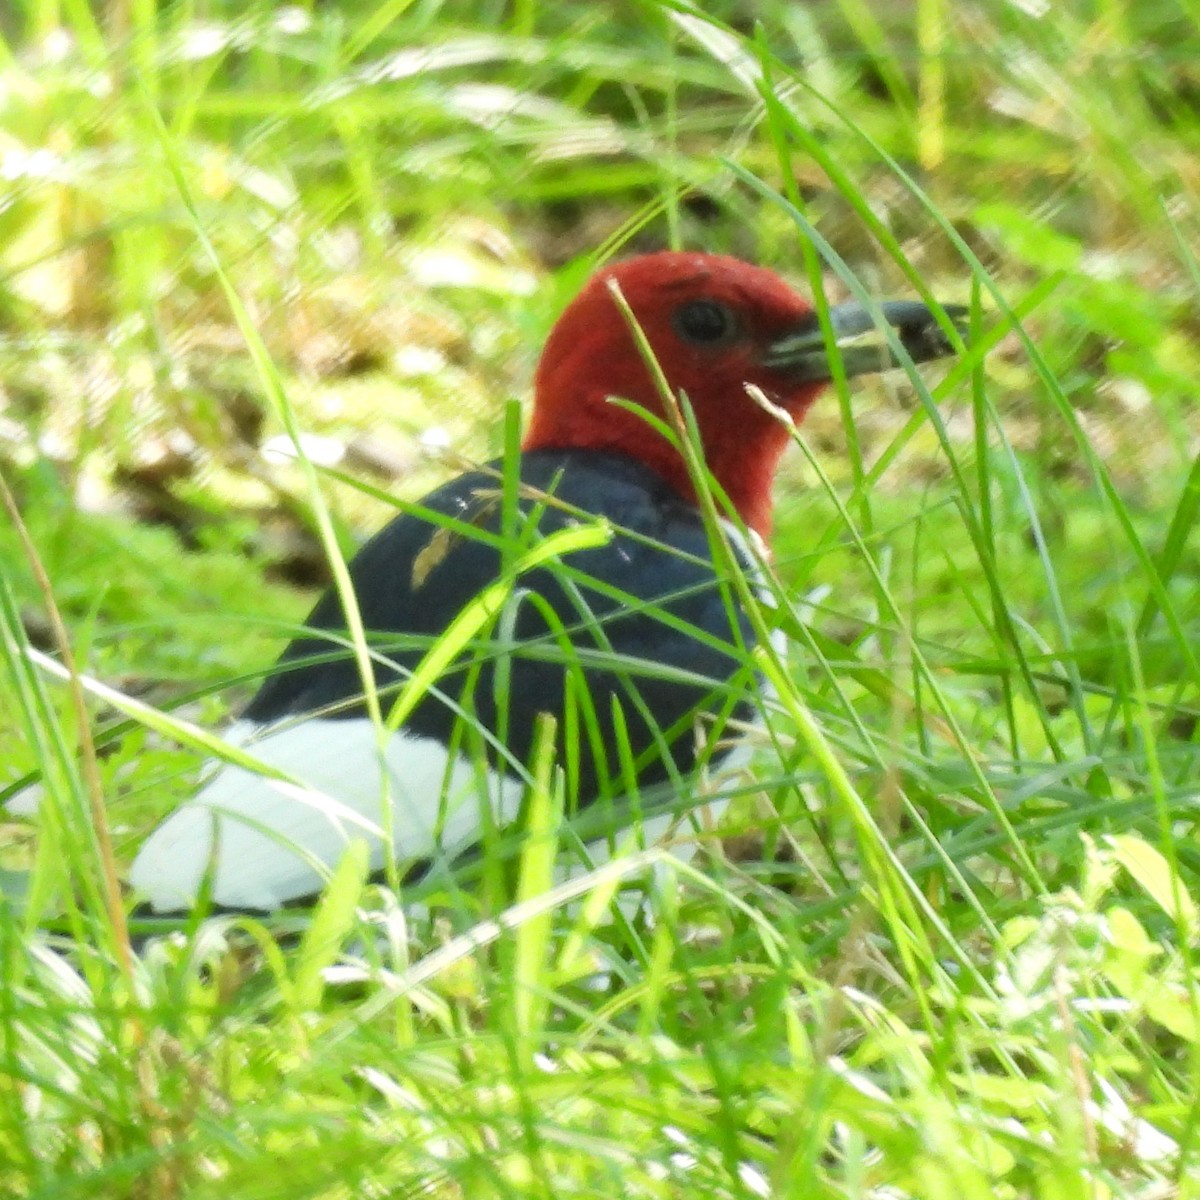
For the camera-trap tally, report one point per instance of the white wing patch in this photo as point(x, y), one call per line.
point(267, 841)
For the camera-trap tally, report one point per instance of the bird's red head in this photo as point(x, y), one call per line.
point(715, 324)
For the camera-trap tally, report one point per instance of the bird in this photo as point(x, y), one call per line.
point(610, 606)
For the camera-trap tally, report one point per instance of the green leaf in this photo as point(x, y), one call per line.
point(1153, 874)
point(332, 919)
point(543, 816)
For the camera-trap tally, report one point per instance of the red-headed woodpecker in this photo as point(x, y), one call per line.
point(632, 645)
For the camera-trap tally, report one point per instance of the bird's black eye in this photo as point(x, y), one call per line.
point(705, 322)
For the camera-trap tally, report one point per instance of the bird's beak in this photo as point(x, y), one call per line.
point(804, 354)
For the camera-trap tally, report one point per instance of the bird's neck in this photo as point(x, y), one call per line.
point(742, 460)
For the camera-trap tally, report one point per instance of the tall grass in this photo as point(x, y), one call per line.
point(946, 943)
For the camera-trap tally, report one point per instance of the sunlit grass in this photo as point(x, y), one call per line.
point(946, 947)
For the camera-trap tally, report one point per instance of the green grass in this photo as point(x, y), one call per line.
point(947, 945)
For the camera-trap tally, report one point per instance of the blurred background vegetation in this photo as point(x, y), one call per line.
point(403, 194)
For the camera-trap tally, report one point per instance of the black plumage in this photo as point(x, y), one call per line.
point(651, 630)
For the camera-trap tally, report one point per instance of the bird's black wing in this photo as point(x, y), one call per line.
point(649, 604)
